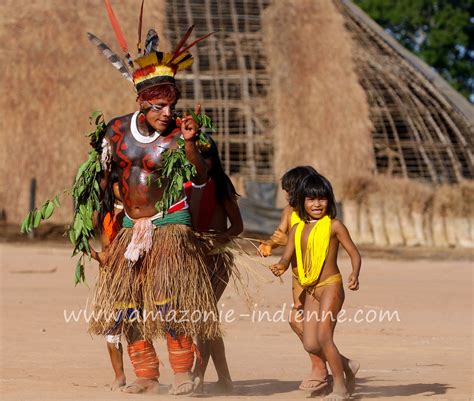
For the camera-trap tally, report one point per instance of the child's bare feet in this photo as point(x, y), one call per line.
point(118, 383)
point(351, 370)
point(337, 396)
point(142, 386)
point(184, 384)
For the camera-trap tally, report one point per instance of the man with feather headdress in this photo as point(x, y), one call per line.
point(153, 278)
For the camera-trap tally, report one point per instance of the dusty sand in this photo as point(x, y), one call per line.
point(426, 355)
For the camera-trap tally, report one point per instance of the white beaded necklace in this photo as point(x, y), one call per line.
point(137, 135)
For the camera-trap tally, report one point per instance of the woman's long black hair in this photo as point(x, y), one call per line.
point(225, 190)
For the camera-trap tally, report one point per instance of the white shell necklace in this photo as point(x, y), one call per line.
point(137, 135)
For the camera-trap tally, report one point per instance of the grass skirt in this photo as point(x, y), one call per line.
point(168, 289)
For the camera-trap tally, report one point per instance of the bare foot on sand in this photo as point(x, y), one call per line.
point(337, 397)
point(184, 384)
point(142, 386)
point(351, 370)
point(118, 383)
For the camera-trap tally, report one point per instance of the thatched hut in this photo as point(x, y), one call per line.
point(287, 82)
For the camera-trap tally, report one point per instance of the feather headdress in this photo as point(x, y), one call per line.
point(151, 67)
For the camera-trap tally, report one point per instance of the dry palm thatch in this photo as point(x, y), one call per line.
point(54, 78)
point(417, 197)
point(320, 111)
point(353, 191)
point(443, 202)
point(464, 218)
point(393, 206)
point(467, 188)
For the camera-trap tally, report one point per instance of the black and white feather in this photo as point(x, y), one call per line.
point(152, 41)
point(110, 56)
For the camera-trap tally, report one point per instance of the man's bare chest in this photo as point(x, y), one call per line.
point(127, 152)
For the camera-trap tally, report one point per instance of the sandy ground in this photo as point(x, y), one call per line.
point(427, 354)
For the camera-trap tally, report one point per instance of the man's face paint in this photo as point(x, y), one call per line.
point(159, 113)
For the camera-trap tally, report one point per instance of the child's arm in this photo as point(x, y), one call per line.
point(279, 268)
point(279, 237)
point(345, 240)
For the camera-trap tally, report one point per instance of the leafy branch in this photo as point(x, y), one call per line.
point(86, 196)
point(175, 166)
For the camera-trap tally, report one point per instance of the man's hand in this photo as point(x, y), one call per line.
point(264, 249)
point(353, 282)
point(278, 269)
point(189, 127)
point(99, 256)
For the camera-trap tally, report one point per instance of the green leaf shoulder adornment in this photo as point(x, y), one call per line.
point(175, 166)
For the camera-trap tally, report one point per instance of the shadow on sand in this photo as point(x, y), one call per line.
point(255, 387)
point(365, 390)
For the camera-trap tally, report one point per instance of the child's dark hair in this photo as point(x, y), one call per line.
point(225, 190)
point(315, 186)
point(107, 203)
point(292, 179)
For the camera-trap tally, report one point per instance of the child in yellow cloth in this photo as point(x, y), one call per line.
point(316, 381)
point(315, 242)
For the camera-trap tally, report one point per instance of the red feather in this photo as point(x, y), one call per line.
point(192, 44)
point(140, 28)
point(115, 24)
point(183, 41)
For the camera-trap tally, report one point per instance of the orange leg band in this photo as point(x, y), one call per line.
point(181, 353)
point(144, 359)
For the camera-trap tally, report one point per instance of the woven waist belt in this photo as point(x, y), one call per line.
point(179, 217)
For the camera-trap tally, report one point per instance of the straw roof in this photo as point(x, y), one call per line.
point(423, 128)
point(320, 113)
point(52, 78)
point(288, 82)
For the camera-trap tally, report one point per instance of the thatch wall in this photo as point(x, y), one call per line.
point(385, 210)
point(321, 114)
point(52, 78)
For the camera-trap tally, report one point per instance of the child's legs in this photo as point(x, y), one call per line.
point(296, 321)
point(115, 349)
point(331, 298)
point(318, 364)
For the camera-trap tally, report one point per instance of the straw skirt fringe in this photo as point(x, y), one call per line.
point(170, 286)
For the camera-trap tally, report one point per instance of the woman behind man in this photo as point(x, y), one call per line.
point(212, 206)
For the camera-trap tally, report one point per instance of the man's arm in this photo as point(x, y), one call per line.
point(189, 129)
point(106, 158)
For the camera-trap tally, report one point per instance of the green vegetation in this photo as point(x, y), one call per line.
point(441, 32)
